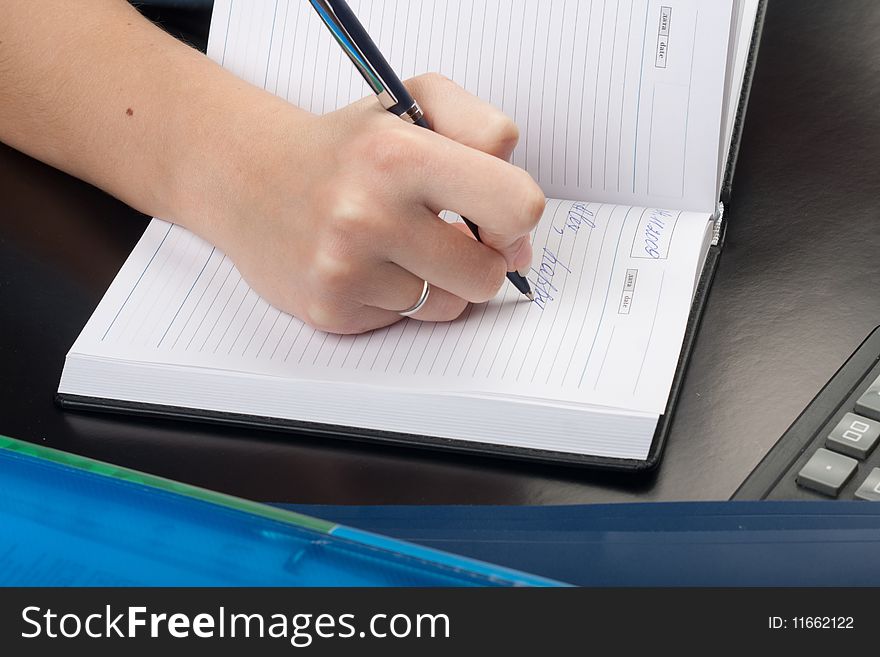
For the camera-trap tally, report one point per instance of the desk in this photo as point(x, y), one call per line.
point(796, 291)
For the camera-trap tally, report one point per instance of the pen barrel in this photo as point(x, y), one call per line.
point(387, 78)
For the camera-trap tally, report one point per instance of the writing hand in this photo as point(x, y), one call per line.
point(334, 218)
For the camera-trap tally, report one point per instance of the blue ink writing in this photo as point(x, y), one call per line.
point(653, 232)
point(579, 215)
point(542, 285)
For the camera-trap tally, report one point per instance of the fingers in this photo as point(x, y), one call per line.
point(444, 255)
point(458, 167)
point(463, 117)
point(361, 320)
point(389, 291)
point(500, 198)
point(517, 254)
point(396, 289)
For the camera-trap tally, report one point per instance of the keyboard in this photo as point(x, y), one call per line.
point(832, 451)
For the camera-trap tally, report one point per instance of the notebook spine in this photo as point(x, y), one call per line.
point(742, 105)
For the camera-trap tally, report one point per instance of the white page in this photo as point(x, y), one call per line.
point(613, 284)
point(745, 15)
point(603, 114)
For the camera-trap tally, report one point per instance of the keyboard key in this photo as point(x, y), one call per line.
point(854, 436)
point(869, 403)
point(826, 472)
point(870, 488)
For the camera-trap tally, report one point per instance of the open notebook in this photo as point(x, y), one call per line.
point(627, 111)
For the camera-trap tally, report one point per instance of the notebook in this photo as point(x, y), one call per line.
point(628, 112)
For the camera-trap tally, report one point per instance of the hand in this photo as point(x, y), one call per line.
point(334, 218)
point(331, 218)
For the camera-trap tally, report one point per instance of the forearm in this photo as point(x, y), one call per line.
point(95, 89)
point(331, 218)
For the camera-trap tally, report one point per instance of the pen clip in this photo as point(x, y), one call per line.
point(341, 34)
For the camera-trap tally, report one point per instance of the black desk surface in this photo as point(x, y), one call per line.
point(796, 291)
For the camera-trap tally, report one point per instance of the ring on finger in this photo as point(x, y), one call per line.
point(426, 292)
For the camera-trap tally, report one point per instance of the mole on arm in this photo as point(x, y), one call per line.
point(129, 111)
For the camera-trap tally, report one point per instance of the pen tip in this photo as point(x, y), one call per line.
point(530, 296)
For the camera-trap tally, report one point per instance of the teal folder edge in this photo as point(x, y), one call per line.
point(69, 520)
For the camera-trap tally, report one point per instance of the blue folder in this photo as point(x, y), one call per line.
point(66, 520)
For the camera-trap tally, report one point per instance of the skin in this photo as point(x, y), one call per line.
point(332, 218)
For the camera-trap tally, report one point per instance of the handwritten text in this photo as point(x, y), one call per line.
point(542, 285)
point(653, 233)
point(579, 215)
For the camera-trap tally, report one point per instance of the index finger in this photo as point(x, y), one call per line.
point(502, 199)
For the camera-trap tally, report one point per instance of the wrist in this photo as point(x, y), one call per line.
point(230, 136)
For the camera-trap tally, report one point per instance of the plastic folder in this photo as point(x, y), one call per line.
point(67, 520)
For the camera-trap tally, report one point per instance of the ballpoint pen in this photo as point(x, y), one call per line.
point(391, 92)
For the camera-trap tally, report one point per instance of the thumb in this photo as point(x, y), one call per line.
point(518, 253)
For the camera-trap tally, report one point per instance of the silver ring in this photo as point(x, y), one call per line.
point(426, 292)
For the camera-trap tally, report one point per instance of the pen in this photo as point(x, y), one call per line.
point(391, 92)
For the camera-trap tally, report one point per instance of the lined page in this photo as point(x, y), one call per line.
point(613, 287)
point(617, 101)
